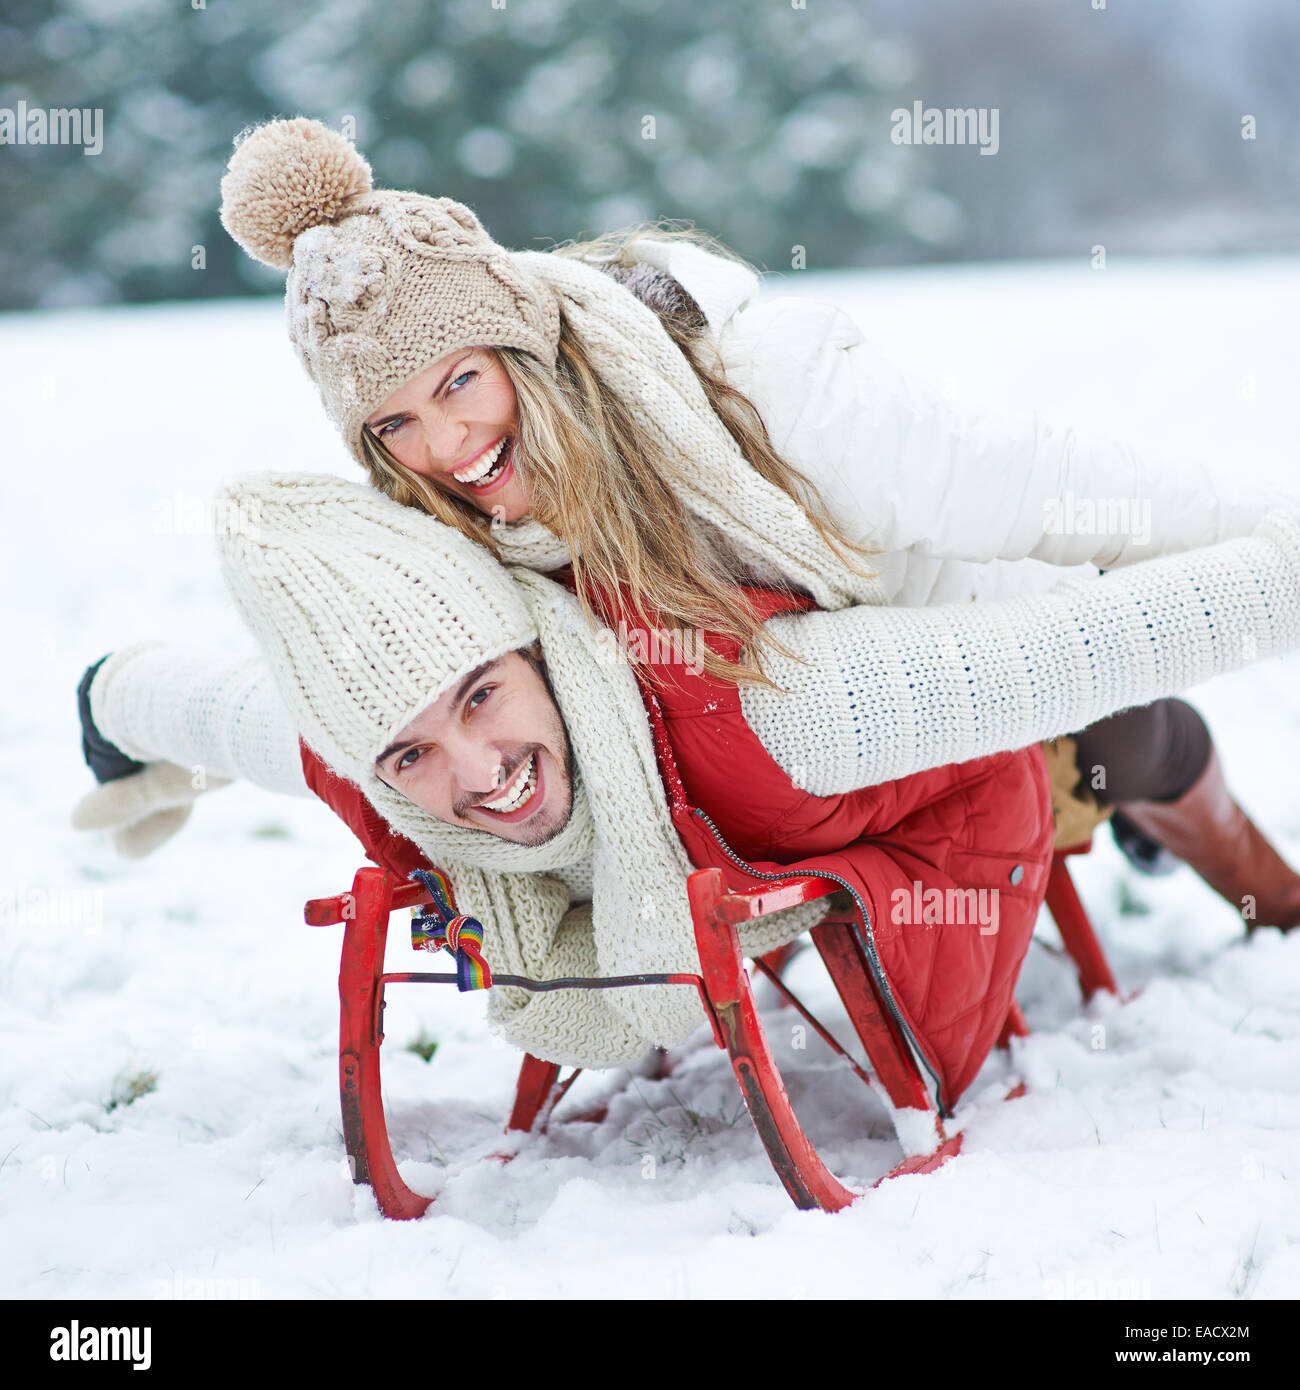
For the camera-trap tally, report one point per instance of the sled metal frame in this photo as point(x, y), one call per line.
point(726, 992)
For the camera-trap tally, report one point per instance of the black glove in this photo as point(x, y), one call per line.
point(106, 760)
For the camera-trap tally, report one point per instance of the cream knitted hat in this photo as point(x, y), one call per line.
point(366, 610)
point(381, 283)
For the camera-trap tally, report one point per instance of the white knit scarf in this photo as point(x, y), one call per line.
point(633, 353)
point(639, 918)
point(620, 830)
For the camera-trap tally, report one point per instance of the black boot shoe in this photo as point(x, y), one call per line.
point(1145, 854)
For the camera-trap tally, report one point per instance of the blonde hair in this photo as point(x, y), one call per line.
point(602, 483)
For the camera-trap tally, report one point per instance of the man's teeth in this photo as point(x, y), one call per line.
point(477, 472)
point(520, 789)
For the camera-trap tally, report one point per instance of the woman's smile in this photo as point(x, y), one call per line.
point(491, 469)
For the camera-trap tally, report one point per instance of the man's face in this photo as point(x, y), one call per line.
point(491, 753)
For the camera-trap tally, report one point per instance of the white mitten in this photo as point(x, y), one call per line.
point(144, 809)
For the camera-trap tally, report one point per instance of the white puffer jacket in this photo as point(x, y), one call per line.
point(958, 503)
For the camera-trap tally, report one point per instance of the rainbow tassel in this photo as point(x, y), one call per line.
point(440, 926)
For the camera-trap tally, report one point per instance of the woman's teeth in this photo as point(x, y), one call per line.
point(519, 791)
point(484, 468)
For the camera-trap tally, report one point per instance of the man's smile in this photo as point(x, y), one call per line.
point(523, 795)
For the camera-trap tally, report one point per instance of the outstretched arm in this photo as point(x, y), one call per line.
point(887, 692)
point(904, 468)
point(163, 703)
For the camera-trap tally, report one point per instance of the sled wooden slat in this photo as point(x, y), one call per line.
point(727, 995)
point(889, 1055)
point(365, 1127)
point(1076, 930)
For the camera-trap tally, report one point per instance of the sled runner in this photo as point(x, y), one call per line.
point(725, 990)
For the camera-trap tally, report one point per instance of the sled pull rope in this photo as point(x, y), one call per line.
point(438, 926)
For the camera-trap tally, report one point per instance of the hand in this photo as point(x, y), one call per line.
point(143, 804)
point(143, 809)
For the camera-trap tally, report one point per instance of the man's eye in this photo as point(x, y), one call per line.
point(477, 698)
point(402, 765)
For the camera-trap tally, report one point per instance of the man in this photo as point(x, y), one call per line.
point(497, 735)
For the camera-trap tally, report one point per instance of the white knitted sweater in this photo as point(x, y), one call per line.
point(872, 694)
point(887, 692)
point(164, 702)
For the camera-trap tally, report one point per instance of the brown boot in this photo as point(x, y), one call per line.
point(1208, 830)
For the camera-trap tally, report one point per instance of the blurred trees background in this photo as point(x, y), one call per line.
point(771, 125)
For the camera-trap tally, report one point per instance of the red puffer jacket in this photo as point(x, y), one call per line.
point(909, 851)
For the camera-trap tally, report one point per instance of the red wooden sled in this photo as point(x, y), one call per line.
point(726, 992)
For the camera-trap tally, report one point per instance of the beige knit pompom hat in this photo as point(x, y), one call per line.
point(381, 284)
point(366, 611)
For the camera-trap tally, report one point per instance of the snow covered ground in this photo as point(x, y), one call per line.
point(168, 1104)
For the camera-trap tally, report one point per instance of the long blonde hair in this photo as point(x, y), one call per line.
point(602, 483)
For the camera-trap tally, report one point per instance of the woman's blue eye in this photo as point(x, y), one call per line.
point(384, 431)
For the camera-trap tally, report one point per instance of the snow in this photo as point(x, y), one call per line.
point(1154, 1154)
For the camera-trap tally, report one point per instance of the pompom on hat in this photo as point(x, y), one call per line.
point(380, 283)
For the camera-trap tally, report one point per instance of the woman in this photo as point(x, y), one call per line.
point(672, 451)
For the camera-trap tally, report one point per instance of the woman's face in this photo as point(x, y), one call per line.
point(455, 423)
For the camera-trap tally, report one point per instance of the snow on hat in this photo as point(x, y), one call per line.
point(381, 283)
point(366, 610)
